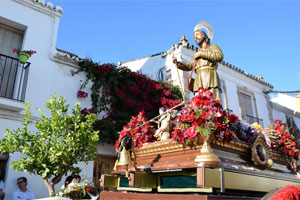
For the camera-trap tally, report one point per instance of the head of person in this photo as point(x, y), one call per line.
point(77, 178)
point(22, 183)
point(162, 110)
point(68, 180)
point(200, 37)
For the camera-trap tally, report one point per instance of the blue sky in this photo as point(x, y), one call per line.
point(260, 37)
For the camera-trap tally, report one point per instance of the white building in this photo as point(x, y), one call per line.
point(283, 108)
point(243, 93)
point(33, 25)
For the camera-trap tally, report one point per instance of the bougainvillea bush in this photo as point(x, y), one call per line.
point(122, 93)
point(204, 115)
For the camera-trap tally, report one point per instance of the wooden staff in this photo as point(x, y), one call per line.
point(180, 84)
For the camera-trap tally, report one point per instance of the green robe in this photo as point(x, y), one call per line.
point(205, 69)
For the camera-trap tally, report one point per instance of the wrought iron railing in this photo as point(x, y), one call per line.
point(229, 111)
point(250, 119)
point(13, 78)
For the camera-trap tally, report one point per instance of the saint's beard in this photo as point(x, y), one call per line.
point(199, 41)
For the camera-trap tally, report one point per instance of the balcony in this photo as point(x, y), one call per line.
point(250, 119)
point(229, 111)
point(13, 81)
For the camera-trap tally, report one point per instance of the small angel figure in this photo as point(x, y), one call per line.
point(164, 124)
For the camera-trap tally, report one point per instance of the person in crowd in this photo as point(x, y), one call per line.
point(68, 180)
point(77, 178)
point(23, 193)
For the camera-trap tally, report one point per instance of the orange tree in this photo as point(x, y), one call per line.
point(121, 93)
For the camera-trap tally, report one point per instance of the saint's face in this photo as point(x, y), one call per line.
point(197, 36)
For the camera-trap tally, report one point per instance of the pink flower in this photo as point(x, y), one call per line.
point(190, 133)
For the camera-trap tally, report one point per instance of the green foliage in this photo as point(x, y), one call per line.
point(61, 140)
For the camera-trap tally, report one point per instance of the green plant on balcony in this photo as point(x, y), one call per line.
point(23, 55)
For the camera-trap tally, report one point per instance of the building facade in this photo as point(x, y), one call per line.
point(33, 25)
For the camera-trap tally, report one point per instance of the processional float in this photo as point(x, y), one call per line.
point(210, 162)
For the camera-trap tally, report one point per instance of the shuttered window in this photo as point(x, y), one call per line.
point(246, 104)
point(10, 38)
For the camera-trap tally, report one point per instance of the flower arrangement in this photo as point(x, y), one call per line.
point(81, 190)
point(246, 132)
point(283, 142)
point(23, 55)
point(289, 192)
point(203, 116)
point(138, 132)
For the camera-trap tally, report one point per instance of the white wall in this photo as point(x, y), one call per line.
point(49, 73)
point(284, 105)
point(285, 100)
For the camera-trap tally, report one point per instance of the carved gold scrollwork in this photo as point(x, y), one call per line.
point(261, 153)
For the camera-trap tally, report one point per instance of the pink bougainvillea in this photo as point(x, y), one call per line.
point(127, 93)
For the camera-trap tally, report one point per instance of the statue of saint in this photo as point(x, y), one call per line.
point(204, 62)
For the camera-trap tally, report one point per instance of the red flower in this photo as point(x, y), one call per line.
point(29, 52)
point(292, 153)
point(117, 145)
point(233, 118)
point(289, 192)
point(84, 111)
point(201, 90)
point(195, 102)
point(204, 114)
point(277, 123)
point(191, 117)
point(120, 93)
point(82, 94)
point(190, 133)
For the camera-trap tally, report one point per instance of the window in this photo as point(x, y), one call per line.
point(248, 106)
point(168, 75)
point(161, 75)
point(223, 94)
point(10, 38)
point(13, 76)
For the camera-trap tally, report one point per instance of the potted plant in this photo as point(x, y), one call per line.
point(79, 190)
point(23, 55)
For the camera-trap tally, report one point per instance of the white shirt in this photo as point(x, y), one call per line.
point(2, 186)
point(19, 195)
